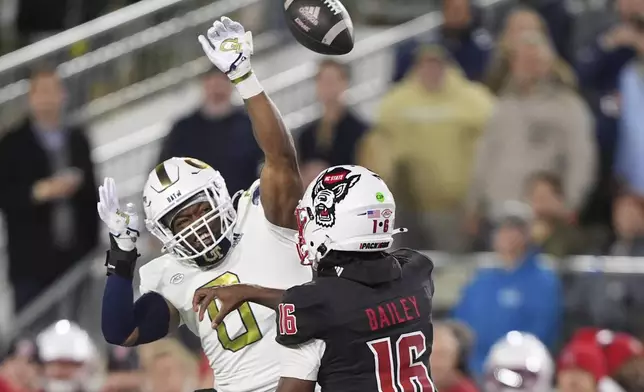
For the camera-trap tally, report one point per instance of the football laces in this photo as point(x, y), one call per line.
point(334, 6)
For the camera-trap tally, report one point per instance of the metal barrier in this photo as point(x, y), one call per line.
point(125, 48)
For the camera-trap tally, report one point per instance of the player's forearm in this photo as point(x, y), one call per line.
point(125, 322)
point(270, 132)
point(264, 296)
point(128, 323)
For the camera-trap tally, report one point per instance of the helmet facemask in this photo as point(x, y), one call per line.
point(204, 234)
point(304, 215)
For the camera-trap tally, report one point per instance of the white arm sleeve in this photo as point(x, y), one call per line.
point(302, 361)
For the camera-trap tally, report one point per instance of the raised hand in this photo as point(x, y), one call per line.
point(123, 225)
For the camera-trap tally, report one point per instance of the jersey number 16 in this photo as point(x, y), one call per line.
point(408, 375)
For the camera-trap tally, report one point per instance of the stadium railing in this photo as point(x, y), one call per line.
point(125, 55)
point(129, 161)
point(78, 294)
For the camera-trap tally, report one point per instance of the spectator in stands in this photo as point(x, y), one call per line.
point(217, 133)
point(618, 348)
point(461, 34)
point(124, 374)
point(518, 22)
point(628, 221)
point(502, 299)
point(168, 367)
point(333, 138)
point(423, 143)
point(71, 360)
point(538, 125)
point(612, 300)
point(48, 194)
point(552, 228)
point(631, 376)
point(518, 362)
point(20, 369)
point(630, 160)
point(558, 23)
point(581, 368)
point(448, 361)
point(599, 64)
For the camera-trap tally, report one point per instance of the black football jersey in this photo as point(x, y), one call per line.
point(377, 338)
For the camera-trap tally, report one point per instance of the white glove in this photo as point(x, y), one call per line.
point(123, 225)
point(229, 47)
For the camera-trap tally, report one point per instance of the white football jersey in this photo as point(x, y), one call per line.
point(242, 351)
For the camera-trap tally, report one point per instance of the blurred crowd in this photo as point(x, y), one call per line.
point(518, 142)
point(63, 358)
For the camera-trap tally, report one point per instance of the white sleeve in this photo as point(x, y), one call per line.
point(149, 278)
point(302, 361)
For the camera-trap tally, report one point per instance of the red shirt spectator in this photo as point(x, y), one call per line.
point(581, 366)
point(20, 369)
point(618, 348)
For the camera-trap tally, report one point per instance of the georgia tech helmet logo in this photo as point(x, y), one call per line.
point(330, 189)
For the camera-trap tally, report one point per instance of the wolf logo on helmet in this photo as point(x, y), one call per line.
point(330, 189)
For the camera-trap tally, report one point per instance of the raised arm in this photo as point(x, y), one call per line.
point(229, 47)
point(281, 185)
point(123, 321)
point(128, 323)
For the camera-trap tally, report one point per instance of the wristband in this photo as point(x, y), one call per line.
point(120, 262)
point(248, 85)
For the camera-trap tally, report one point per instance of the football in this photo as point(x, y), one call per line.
point(323, 26)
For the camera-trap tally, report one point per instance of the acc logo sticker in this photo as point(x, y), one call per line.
point(386, 213)
point(177, 278)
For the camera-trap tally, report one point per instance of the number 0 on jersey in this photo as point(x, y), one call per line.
point(252, 333)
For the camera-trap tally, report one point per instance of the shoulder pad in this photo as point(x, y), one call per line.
point(414, 262)
point(300, 315)
point(406, 255)
point(248, 199)
point(252, 193)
